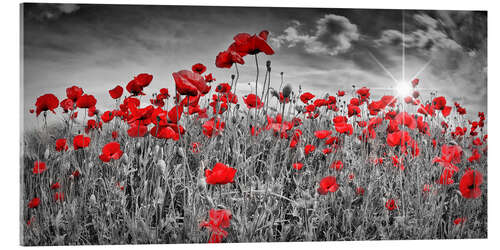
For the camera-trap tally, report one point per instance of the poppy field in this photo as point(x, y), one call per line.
point(200, 164)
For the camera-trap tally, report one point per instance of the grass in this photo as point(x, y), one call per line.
point(165, 196)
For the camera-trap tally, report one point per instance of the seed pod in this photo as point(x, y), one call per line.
point(93, 200)
point(46, 154)
point(181, 152)
point(287, 90)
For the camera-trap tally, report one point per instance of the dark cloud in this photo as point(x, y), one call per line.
point(333, 35)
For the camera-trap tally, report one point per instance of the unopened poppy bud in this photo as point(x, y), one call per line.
point(125, 157)
point(47, 153)
point(268, 65)
point(156, 150)
point(287, 90)
point(93, 200)
point(138, 145)
point(232, 76)
point(180, 151)
point(163, 166)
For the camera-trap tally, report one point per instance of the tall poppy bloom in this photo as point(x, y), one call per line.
point(34, 202)
point(111, 151)
point(80, 141)
point(245, 43)
point(328, 184)
point(469, 184)
point(199, 68)
point(46, 102)
point(219, 219)
point(39, 167)
point(253, 101)
point(61, 145)
point(391, 205)
point(220, 174)
point(116, 92)
point(86, 101)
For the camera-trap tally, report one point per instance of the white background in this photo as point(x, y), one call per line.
point(10, 122)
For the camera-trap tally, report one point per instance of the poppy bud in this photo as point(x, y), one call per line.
point(93, 200)
point(47, 154)
point(163, 167)
point(138, 145)
point(156, 150)
point(232, 76)
point(180, 151)
point(286, 91)
point(125, 158)
point(268, 65)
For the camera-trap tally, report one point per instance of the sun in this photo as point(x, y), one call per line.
point(403, 88)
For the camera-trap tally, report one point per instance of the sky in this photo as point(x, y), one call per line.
point(320, 50)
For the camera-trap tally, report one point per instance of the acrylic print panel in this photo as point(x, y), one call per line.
point(186, 124)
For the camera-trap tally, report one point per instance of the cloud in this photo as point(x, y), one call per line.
point(43, 12)
point(333, 35)
point(427, 38)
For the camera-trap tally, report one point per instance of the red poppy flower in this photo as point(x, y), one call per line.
point(116, 92)
point(446, 177)
point(91, 125)
point(322, 134)
point(58, 196)
point(469, 184)
point(414, 82)
point(61, 145)
point(80, 141)
point(340, 93)
point(199, 68)
point(398, 138)
point(439, 103)
point(427, 188)
point(415, 94)
point(209, 78)
point(353, 110)
point(306, 97)
point(86, 101)
point(308, 149)
point(114, 134)
point(245, 44)
point(297, 165)
point(459, 221)
point(226, 59)
point(164, 132)
point(75, 174)
point(337, 165)
point(219, 219)
point(209, 126)
point(364, 93)
point(107, 116)
point(111, 151)
point(253, 101)
point(55, 186)
point(34, 202)
point(32, 111)
point(66, 105)
point(344, 128)
point(136, 130)
point(328, 184)
point(391, 205)
point(360, 191)
point(39, 167)
point(220, 174)
point(46, 102)
point(74, 92)
point(223, 88)
point(339, 119)
point(190, 83)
